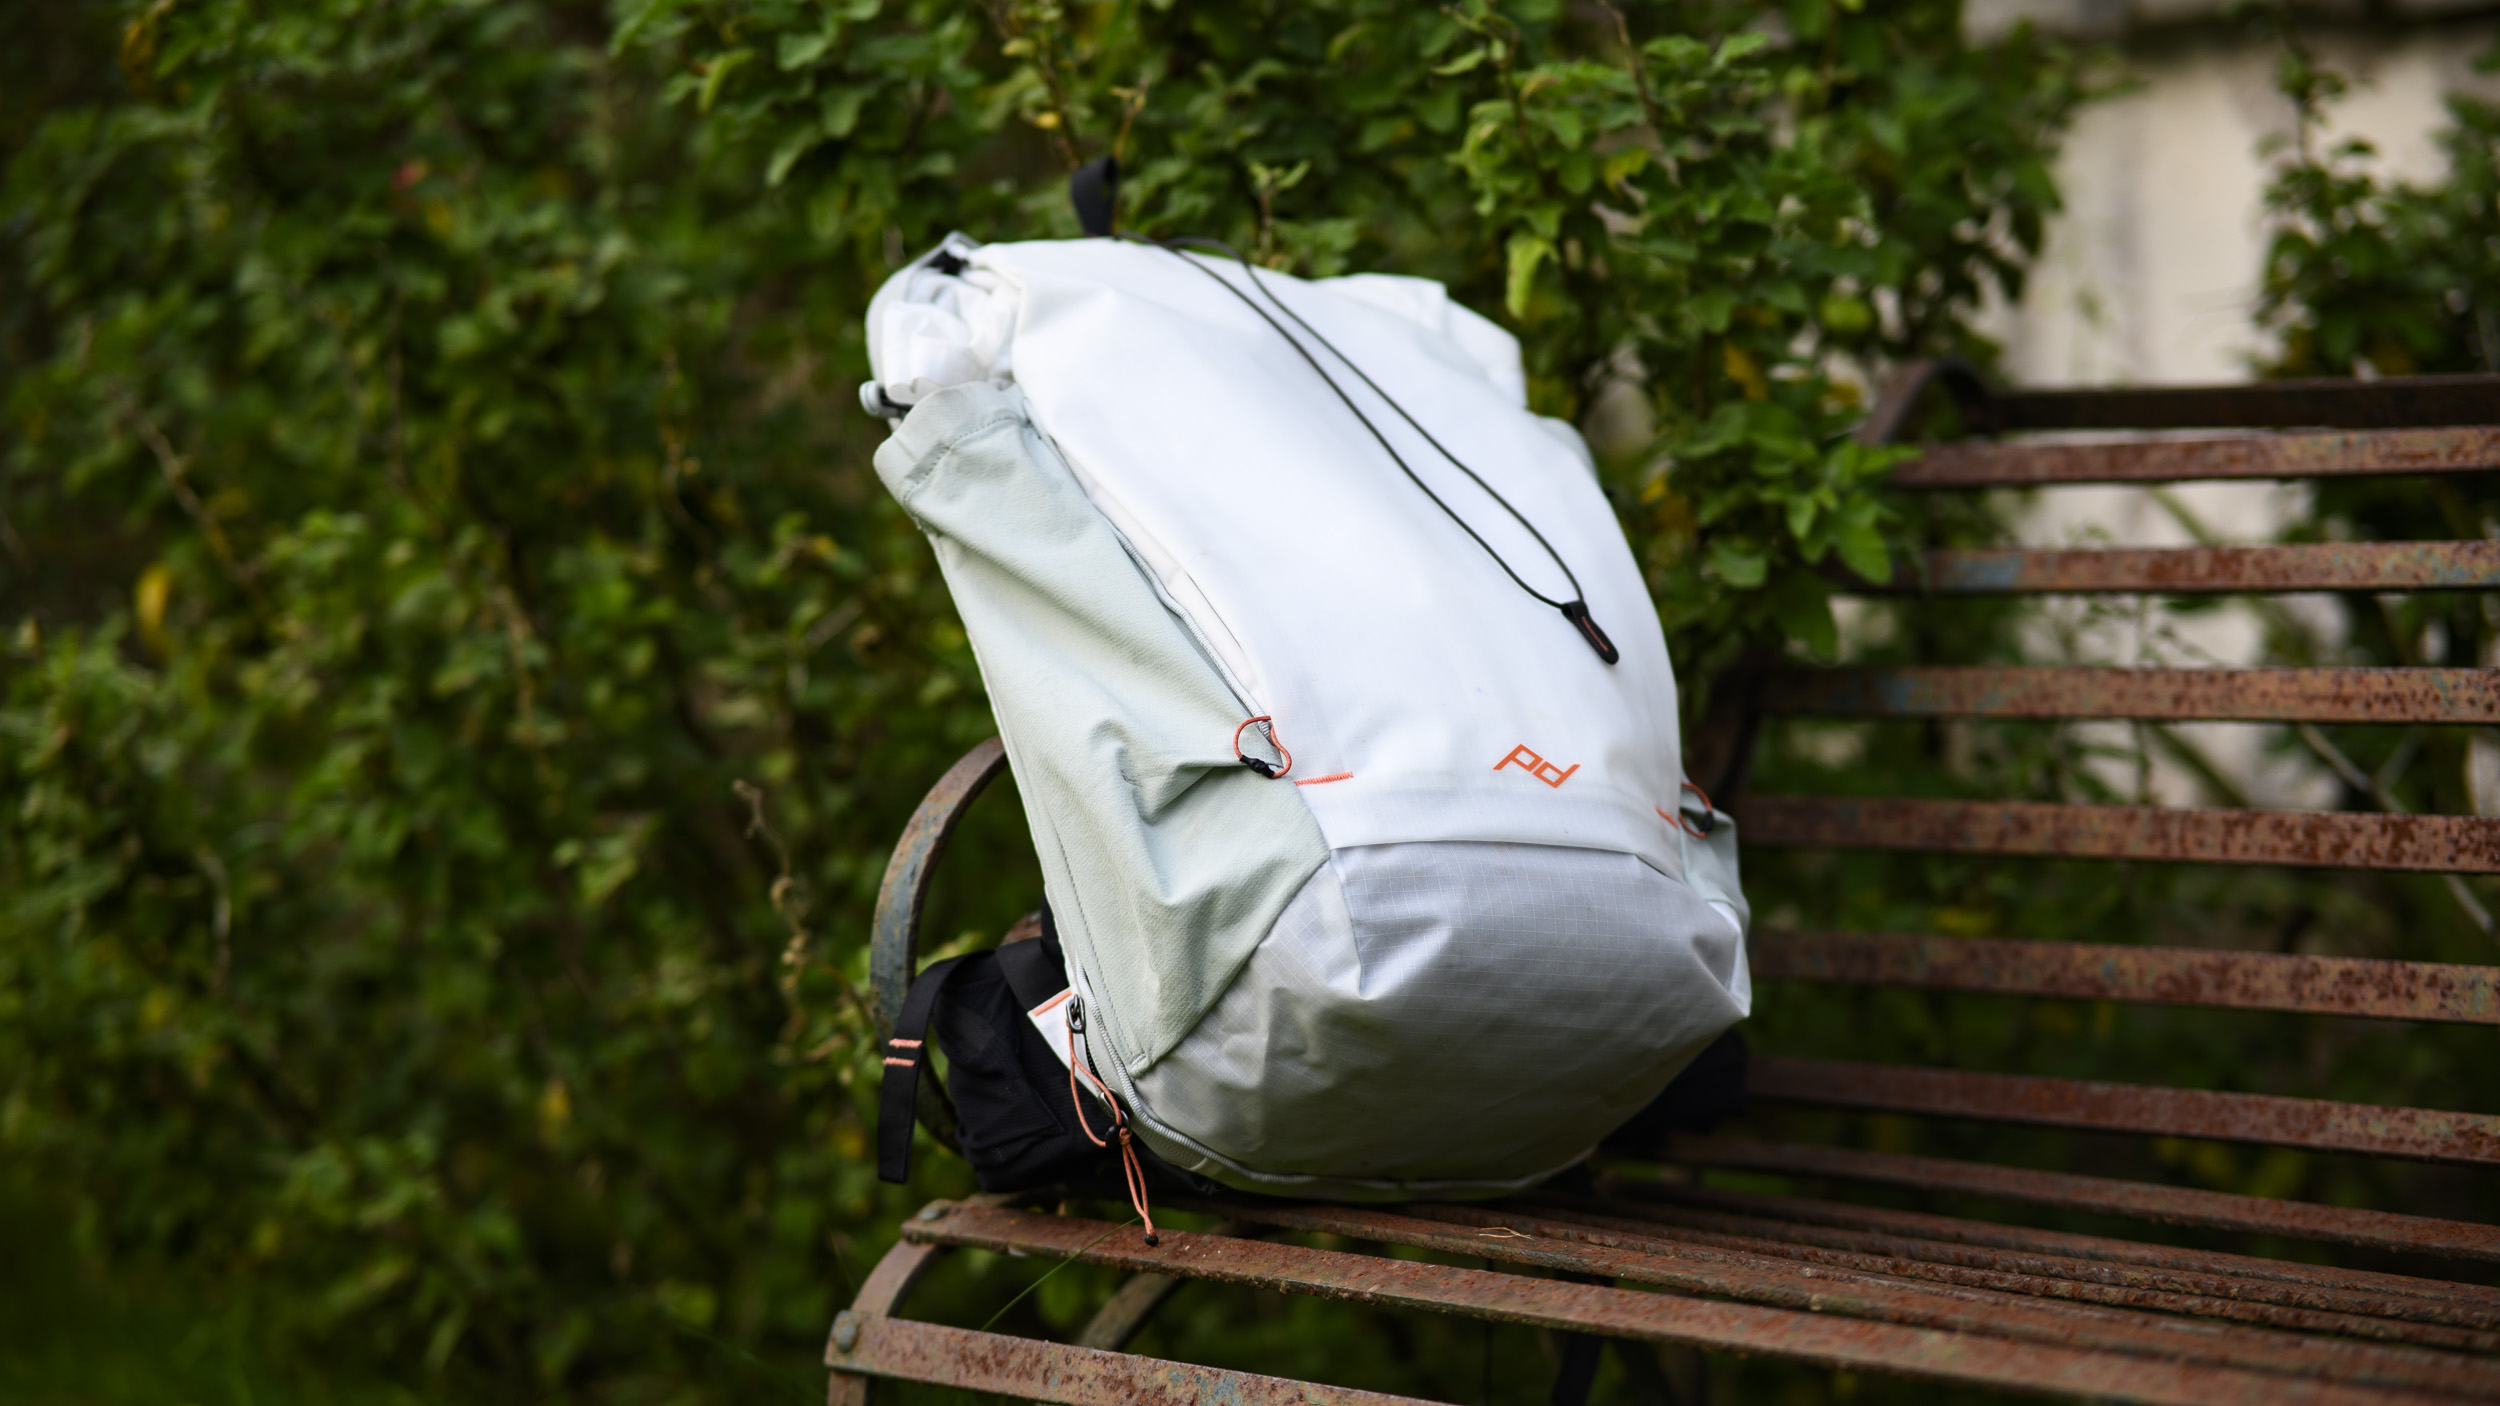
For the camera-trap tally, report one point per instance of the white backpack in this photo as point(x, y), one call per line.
point(1374, 873)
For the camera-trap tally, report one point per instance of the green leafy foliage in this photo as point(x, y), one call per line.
point(461, 678)
point(1737, 227)
point(1727, 228)
point(2367, 275)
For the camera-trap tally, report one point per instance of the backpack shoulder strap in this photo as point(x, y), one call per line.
point(898, 1098)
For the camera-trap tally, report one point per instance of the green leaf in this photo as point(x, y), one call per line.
point(1862, 547)
point(1525, 251)
point(1738, 566)
point(797, 51)
point(1736, 48)
point(841, 108)
point(800, 141)
point(1801, 511)
point(1802, 605)
point(1464, 63)
point(717, 73)
point(1846, 316)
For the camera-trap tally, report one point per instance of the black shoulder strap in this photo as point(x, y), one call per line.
point(1094, 188)
point(1034, 969)
point(898, 1098)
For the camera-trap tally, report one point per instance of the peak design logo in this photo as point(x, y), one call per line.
point(1536, 766)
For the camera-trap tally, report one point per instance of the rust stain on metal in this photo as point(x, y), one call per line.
point(2434, 1300)
point(2204, 1293)
point(1821, 1333)
point(892, 954)
point(2262, 1343)
point(2453, 449)
point(1763, 1271)
point(2439, 843)
point(2166, 1205)
point(2308, 566)
point(2424, 1134)
point(2165, 975)
point(1079, 1376)
point(2178, 695)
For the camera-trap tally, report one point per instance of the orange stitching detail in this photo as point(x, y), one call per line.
point(902, 1044)
point(906, 1063)
point(1324, 780)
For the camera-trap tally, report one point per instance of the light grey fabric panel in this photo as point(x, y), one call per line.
point(1434, 1014)
point(1166, 861)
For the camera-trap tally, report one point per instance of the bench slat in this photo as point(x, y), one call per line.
point(2430, 1135)
point(1979, 464)
point(2279, 405)
point(2164, 1205)
point(1029, 1370)
point(2333, 839)
point(2441, 1300)
point(2220, 1297)
point(1956, 1335)
point(2265, 981)
point(2307, 566)
point(2171, 695)
point(2022, 1307)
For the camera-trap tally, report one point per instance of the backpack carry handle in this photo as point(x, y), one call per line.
point(1094, 189)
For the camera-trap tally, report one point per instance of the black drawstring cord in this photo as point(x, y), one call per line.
point(1575, 610)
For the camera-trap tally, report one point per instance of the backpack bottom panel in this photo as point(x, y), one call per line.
point(1445, 1016)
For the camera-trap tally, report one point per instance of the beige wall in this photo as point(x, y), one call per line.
point(2152, 273)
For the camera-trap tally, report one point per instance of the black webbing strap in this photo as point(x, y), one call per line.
point(898, 1098)
point(1094, 188)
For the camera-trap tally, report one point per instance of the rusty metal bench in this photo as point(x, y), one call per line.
point(1687, 1259)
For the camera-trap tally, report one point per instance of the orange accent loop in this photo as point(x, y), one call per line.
point(1260, 765)
point(1703, 832)
point(1130, 1170)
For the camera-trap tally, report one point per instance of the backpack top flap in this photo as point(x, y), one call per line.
point(1423, 688)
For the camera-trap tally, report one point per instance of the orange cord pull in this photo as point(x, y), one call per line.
point(1709, 821)
point(1131, 1171)
point(1260, 764)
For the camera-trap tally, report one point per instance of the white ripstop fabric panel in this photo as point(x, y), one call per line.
point(1447, 1016)
point(1165, 860)
point(1428, 305)
point(1388, 646)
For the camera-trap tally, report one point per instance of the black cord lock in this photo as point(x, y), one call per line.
point(1577, 612)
